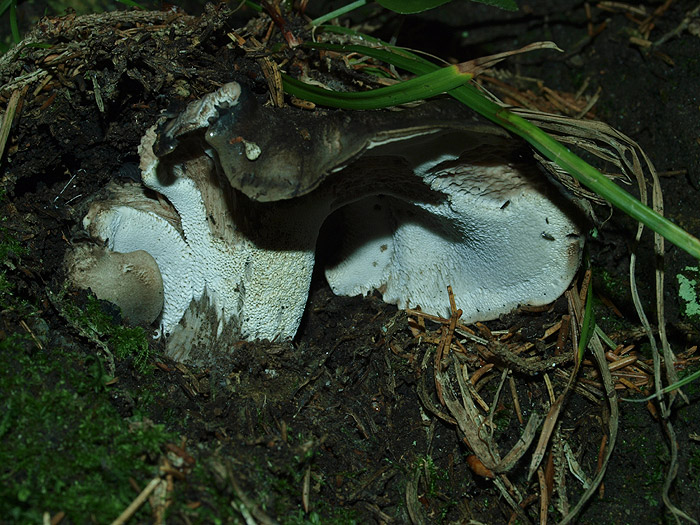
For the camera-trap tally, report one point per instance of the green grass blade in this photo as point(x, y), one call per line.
point(14, 27)
point(131, 3)
point(338, 12)
point(542, 142)
point(605, 338)
point(5, 5)
point(670, 388)
point(423, 86)
point(253, 5)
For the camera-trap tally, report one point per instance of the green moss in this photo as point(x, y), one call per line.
point(273, 490)
point(63, 446)
point(610, 285)
point(689, 292)
point(93, 321)
point(8, 246)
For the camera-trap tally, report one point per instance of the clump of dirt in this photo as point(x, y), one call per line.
point(348, 424)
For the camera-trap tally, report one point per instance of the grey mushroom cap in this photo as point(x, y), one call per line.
point(132, 281)
point(270, 155)
point(428, 198)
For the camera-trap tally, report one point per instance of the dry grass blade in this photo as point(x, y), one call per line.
point(544, 495)
point(306, 490)
point(412, 504)
point(503, 489)
point(7, 119)
point(559, 474)
point(552, 418)
point(678, 514)
point(138, 501)
point(547, 429)
point(599, 353)
point(523, 443)
point(575, 467)
point(477, 432)
point(468, 418)
point(476, 66)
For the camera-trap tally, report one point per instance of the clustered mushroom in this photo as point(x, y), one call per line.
point(422, 198)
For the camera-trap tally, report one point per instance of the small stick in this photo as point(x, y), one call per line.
point(622, 363)
point(589, 18)
point(563, 334)
point(140, 499)
point(8, 117)
point(516, 401)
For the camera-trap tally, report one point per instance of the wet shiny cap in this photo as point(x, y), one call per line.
point(271, 154)
point(197, 115)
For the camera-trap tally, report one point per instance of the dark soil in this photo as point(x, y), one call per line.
point(349, 408)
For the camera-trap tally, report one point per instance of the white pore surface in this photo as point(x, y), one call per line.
point(367, 248)
point(126, 229)
point(263, 291)
point(490, 232)
point(496, 256)
point(266, 291)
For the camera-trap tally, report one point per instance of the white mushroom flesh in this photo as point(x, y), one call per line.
point(422, 210)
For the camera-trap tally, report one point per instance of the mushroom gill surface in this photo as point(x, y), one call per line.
point(428, 198)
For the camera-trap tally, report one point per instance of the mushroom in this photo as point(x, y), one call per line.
point(426, 198)
point(130, 280)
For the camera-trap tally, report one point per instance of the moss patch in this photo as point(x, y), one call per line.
point(63, 447)
point(99, 322)
point(689, 293)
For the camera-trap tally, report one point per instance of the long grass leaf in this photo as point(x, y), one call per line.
point(14, 26)
point(438, 81)
point(338, 12)
point(5, 5)
point(541, 141)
